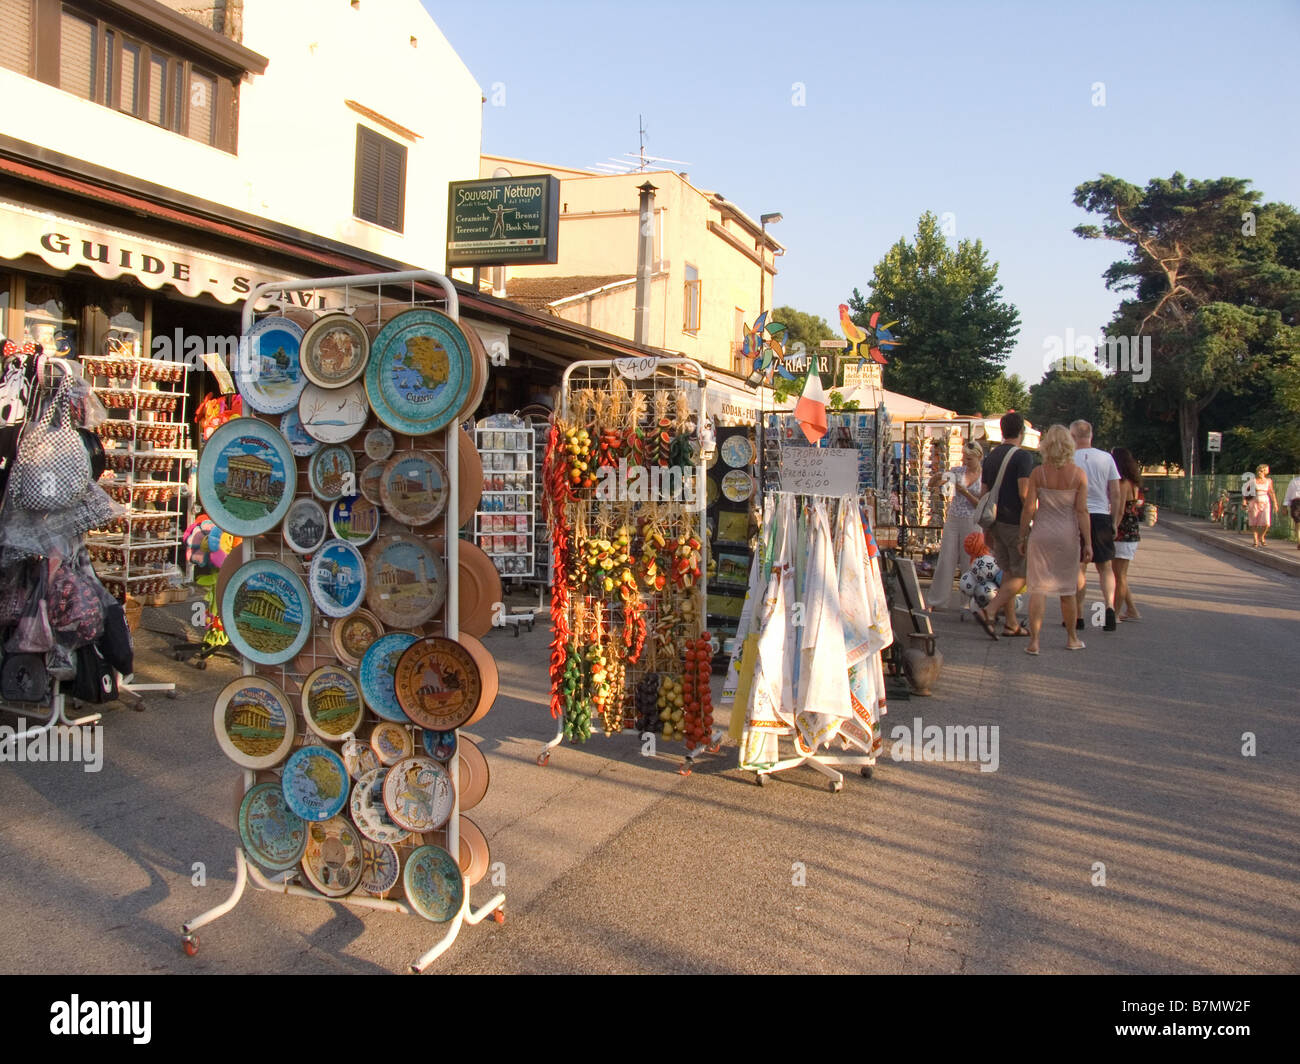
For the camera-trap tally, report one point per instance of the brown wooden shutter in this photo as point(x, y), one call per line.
point(366, 186)
point(16, 35)
point(380, 185)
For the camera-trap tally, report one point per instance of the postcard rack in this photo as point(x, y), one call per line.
point(662, 402)
point(292, 673)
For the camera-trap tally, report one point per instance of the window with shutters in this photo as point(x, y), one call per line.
point(16, 35)
point(379, 190)
point(691, 301)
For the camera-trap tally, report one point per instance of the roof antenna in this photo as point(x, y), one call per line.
point(641, 124)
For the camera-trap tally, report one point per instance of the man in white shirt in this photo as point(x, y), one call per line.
point(1292, 494)
point(1104, 512)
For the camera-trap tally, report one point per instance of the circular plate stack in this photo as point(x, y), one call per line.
point(480, 588)
point(488, 676)
point(479, 379)
point(474, 775)
point(475, 857)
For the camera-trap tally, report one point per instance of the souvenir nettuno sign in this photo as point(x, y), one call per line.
point(503, 221)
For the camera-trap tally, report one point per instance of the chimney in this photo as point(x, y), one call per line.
point(645, 250)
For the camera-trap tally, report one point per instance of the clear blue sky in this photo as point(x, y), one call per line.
point(981, 109)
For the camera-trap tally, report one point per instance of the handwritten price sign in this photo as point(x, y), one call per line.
point(637, 368)
point(819, 471)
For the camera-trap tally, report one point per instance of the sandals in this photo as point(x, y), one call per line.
point(1010, 633)
point(986, 624)
point(1077, 646)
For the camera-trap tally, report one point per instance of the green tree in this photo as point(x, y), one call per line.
point(1211, 275)
point(956, 333)
point(800, 328)
point(1007, 392)
point(1071, 390)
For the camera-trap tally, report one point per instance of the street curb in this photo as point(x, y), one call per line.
point(1282, 564)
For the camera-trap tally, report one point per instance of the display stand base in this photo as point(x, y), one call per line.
point(58, 716)
point(245, 871)
point(825, 763)
point(688, 761)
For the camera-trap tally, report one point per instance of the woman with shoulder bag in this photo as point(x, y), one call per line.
point(1127, 537)
point(958, 523)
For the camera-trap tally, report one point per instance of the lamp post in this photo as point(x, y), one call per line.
point(763, 219)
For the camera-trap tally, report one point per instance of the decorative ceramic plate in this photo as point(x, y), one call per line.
point(333, 415)
point(266, 612)
point(737, 451)
point(291, 429)
point(434, 885)
point(331, 702)
point(710, 491)
point(334, 350)
point(379, 445)
point(420, 372)
point(479, 591)
point(333, 859)
point(479, 376)
point(737, 485)
point(337, 578)
point(332, 472)
point(437, 683)
point(305, 526)
point(487, 671)
point(354, 520)
point(380, 867)
point(439, 745)
point(414, 487)
point(475, 857)
point(391, 742)
point(368, 811)
point(407, 583)
point(359, 758)
point(273, 834)
point(418, 794)
point(378, 665)
point(233, 563)
point(371, 479)
point(267, 372)
point(315, 783)
point(473, 775)
point(352, 635)
point(247, 477)
point(470, 490)
point(254, 722)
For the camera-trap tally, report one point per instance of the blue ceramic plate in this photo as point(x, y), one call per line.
point(267, 372)
point(378, 667)
point(380, 867)
point(299, 442)
point(266, 612)
point(316, 783)
point(434, 885)
point(247, 477)
point(337, 578)
point(439, 745)
point(420, 372)
point(274, 835)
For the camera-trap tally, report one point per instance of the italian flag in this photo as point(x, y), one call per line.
point(810, 410)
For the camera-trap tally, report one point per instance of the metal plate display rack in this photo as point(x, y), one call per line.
point(445, 445)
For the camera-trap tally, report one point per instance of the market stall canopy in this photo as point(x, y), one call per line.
point(901, 407)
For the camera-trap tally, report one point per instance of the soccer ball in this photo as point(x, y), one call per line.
point(968, 583)
point(986, 569)
point(984, 594)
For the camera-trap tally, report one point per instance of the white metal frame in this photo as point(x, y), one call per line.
point(245, 869)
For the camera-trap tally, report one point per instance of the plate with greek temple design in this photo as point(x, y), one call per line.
point(255, 722)
point(331, 703)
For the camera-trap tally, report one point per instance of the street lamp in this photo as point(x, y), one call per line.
point(763, 219)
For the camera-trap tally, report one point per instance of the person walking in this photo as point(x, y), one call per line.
point(958, 523)
point(1261, 506)
point(1056, 504)
point(1129, 534)
point(1292, 502)
point(1004, 537)
point(1103, 514)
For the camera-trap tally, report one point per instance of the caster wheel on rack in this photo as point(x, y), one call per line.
point(685, 770)
point(499, 916)
point(715, 748)
point(200, 665)
point(760, 779)
point(866, 772)
point(544, 758)
point(837, 786)
point(190, 944)
point(171, 694)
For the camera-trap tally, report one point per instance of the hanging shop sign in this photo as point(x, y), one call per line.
point(110, 253)
point(819, 470)
point(503, 221)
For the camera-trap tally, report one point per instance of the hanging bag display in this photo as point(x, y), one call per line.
point(986, 511)
point(95, 682)
point(33, 634)
point(23, 678)
point(75, 610)
point(52, 470)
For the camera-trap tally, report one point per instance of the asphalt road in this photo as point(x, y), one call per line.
point(1129, 754)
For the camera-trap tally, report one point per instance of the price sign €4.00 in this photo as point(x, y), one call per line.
point(637, 369)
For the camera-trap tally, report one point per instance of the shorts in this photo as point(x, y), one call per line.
point(1103, 537)
point(1126, 552)
point(1004, 540)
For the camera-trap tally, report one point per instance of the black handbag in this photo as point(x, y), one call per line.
point(115, 643)
point(96, 681)
point(23, 678)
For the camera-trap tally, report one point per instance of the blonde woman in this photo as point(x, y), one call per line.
point(1261, 506)
point(1057, 506)
point(958, 523)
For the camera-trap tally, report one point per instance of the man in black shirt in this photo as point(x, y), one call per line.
point(1004, 537)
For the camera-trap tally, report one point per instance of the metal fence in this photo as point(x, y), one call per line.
point(1197, 496)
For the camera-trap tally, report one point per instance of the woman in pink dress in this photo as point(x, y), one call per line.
point(1261, 507)
point(1057, 505)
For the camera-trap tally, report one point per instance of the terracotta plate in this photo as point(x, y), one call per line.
point(305, 526)
point(368, 812)
point(473, 774)
point(475, 857)
point(273, 834)
point(470, 491)
point(328, 471)
point(420, 372)
point(352, 635)
point(479, 377)
point(316, 783)
point(354, 519)
point(267, 372)
point(337, 578)
point(331, 703)
point(391, 742)
point(247, 477)
point(407, 583)
point(266, 612)
point(254, 722)
point(418, 794)
point(380, 867)
point(434, 885)
point(437, 683)
point(487, 670)
point(333, 859)
point(378, 665)
point(228, 568)
point(480, 589)
point(333, 415)
point(414, 487)
point(334, 350)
